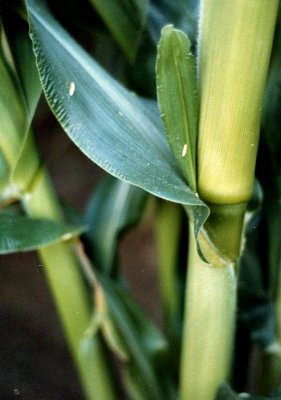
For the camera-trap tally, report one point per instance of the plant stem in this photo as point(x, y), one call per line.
point(69, 293)
point(208, 326)
point(235, 41)
point(167, 235)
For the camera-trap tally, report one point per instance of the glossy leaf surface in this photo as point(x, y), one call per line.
point(107, 122)
point(178, 98)
point(15, 233)
point(125, 19)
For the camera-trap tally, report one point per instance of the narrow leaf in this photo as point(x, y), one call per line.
point(125, 19)
point(11, 129)
point(107, 122)
point(177, 97)
point(15, 233)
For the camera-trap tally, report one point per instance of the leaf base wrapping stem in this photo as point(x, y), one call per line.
point(208, 326)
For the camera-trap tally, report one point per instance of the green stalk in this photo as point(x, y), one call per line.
point(235, 40)
point(69, 292)
point(208, 326)
point(168, 221)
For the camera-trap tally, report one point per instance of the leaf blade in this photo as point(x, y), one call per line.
point(177, 98)
point(131, 16)
point(14, 233)
point(109, 124)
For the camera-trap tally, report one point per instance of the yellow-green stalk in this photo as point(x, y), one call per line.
point(68, 290)
point(235, 40)
point(209, 323)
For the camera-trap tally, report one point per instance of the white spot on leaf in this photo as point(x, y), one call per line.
point(184, 150)
point(71, 88)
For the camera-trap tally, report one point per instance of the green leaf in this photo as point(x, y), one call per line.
point(23, 91)
point(178, 98)
point(19, 233)
point(114, 207)
point(21, 49)
point(107, 122)
point(26, 166)
point(125, 19)
point(11, 129)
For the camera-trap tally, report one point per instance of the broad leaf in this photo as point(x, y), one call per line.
point(125, 19)
point(178, 98)
point(107, 122)
point(15, 237)
point(115, 206)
